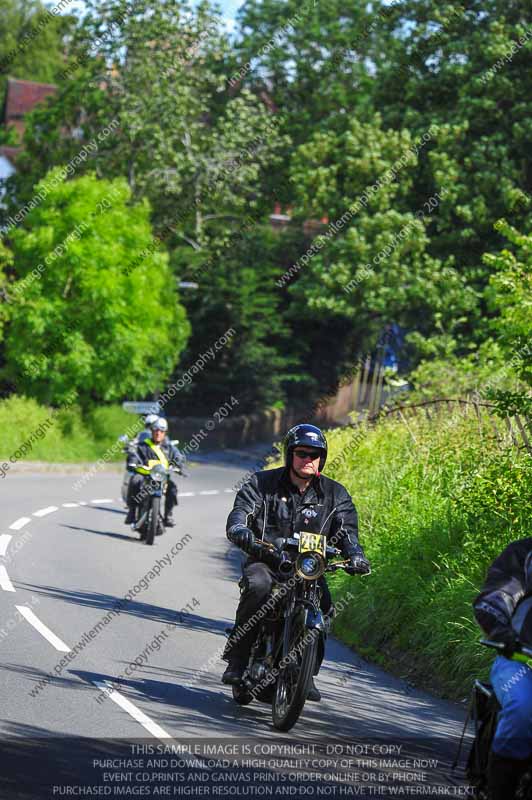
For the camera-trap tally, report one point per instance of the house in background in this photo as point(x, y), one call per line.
point(21, 97)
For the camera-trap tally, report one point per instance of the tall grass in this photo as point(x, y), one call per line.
point(437, 502)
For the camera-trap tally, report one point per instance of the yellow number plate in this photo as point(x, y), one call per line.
point(315, 542)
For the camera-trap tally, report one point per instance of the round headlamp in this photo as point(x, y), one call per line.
point(310, 566)
point(158, 473)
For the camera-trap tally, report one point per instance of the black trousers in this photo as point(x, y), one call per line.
point(257, 582)
point(134, 493)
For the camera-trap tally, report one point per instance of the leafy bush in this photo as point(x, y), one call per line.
point(437, 502)
point(108, 422)
point(60, 435)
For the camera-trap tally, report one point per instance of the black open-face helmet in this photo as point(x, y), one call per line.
point(308, 435)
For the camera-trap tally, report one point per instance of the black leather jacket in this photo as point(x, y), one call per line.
point(272, 507)
point(506, 597)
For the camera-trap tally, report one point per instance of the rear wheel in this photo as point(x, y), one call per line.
point(153, 520)
point(293, 683)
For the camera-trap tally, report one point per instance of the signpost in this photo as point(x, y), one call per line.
point(141, 407)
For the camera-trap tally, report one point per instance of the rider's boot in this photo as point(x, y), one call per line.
point(169, 521)
point(130, 516)
point(504, 775)
point(314, 694)
point(233, 673)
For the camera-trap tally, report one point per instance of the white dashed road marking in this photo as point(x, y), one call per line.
point(43, 629)
point(187, 494)
point(211, 491)
point(135, 712)
point(70, 505)
point(5, 538)
point(229, 490)
point(5, 583)
point(19, 523)
point(82, 502)
point(105, 500)
point(42, 512)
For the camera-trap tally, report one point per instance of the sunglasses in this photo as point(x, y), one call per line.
point(313, 454)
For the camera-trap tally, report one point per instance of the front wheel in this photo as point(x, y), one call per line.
point(293, 683)
point(153, 521)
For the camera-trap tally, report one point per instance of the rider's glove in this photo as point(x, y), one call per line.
point(243, 538)
point(358, 563)
point(506, 636)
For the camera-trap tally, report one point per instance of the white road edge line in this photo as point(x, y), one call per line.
point(135, 712)
point(5, 582)
point(19, 523)
point(105, 500)
point(5, 538)
point(43, 629)
point(42, 512)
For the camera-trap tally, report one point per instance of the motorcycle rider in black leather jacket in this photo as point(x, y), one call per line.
point(276, 503)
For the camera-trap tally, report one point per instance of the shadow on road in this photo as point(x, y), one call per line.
point(109, 508)
point(135, 608)
point(180, 706)
point(229, 562)
point(130, 538)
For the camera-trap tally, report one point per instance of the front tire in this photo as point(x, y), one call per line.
point(293, 685)
point(153, 521)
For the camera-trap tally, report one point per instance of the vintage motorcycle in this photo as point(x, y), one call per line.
point(128, 445)
point(152, 495)
point(483, 711)
point(150, 519)
point(292, 631)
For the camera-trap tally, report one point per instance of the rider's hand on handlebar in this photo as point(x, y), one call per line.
point(505, 635)
point(358, 564)
point(244, 538)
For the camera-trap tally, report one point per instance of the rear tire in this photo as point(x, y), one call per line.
point(293, 685)
point(153, 521)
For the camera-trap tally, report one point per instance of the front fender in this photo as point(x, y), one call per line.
point(314, 620)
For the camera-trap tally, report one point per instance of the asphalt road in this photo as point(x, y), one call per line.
point(64, 574)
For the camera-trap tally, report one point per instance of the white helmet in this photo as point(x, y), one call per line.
point(160, 424)
point(149, 419)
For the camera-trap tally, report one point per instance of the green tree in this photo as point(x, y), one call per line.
point(466, 67)
point(78, 321)
point(305, 55)
point(510, 294)
point(31, 41)
point(373, 264)
point(237, 289)
point(181, 140)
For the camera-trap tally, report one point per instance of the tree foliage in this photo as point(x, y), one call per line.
point(375, 264)
point(31, 41)
point(510, 293)
point(312, 104)
point(78, 322)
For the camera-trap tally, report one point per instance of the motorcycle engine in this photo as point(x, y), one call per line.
point(258, 670)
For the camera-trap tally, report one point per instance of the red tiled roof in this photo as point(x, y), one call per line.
point(22, 96)
point(9, 152)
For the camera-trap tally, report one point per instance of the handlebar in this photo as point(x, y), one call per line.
point(338, 565)
point(526, 651)
point(271, 550)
